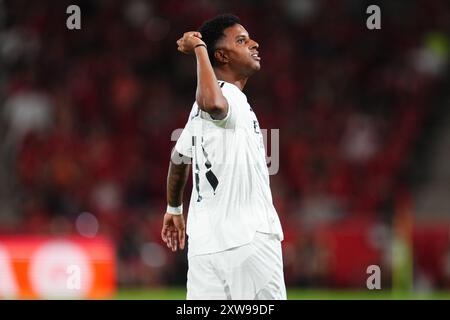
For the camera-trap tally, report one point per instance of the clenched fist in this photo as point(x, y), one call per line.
point(188, 41)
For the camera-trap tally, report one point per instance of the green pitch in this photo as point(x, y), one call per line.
point(293, 294)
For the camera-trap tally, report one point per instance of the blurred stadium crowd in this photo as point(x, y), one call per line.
point(87, 116)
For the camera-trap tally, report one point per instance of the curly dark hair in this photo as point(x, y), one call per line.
point(212, 31)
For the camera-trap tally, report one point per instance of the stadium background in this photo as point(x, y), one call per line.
point(364, 179)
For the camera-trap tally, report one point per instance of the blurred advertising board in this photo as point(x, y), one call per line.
point(56, 268)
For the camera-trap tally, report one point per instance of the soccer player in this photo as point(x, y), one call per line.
point(234, 244)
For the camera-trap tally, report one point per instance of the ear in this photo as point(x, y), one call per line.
point(221, 56)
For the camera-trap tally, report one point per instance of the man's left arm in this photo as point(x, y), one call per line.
point(173, 231)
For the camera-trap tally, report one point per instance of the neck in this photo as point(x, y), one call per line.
point(238, 81)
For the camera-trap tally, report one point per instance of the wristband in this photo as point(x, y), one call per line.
point(175, 210)
point(201, 45)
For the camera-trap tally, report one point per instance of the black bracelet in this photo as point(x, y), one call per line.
point(201, 45)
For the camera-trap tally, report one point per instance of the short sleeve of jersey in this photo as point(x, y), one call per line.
point(229, 122)
point(184, 142)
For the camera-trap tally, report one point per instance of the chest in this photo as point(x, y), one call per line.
point(248, 122)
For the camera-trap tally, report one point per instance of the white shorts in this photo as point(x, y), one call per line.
point(250, 272)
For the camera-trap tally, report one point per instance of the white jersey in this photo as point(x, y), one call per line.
point(231, 198)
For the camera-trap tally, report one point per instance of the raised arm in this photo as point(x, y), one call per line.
point(209, 96)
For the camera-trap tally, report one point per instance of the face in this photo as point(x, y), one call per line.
point(239, 51)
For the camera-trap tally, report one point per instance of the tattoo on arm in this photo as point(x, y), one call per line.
point(176, 181)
